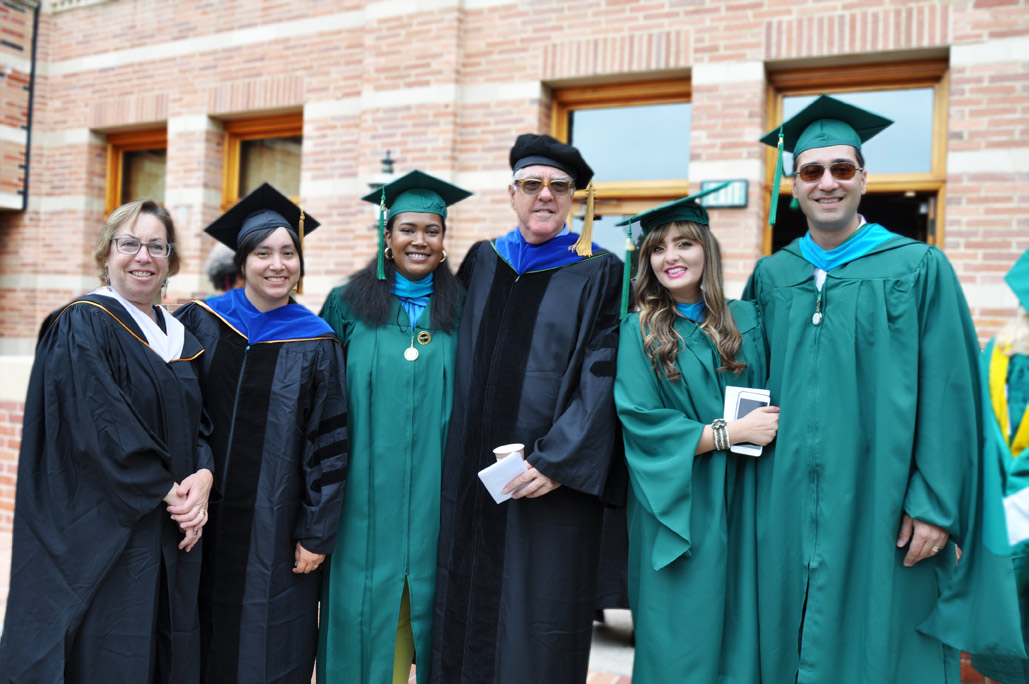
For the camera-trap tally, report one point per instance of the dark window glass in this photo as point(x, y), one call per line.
point(143, 175)
point(272, 160)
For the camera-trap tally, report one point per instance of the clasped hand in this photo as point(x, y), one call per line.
point(187, 503)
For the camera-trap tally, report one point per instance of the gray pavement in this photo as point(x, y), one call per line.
point(612, 648)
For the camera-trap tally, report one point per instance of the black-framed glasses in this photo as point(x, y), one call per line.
point(534, 186)
point(131, 246)
point(809, 173)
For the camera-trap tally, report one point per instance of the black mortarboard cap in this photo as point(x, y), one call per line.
point(265, 207)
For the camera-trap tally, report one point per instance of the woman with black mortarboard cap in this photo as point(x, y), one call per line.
point(274, 390)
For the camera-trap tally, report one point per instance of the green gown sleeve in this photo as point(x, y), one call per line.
point(951, 485)
point(660, 443)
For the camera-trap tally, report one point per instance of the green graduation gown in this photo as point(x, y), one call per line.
point(1013, 469)
point(691, 565)
point(880, 416)
point(389, 524)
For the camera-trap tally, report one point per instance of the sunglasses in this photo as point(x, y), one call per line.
point(534, 186)
point(809, 173)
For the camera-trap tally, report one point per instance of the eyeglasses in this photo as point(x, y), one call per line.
point(534, 186)
point(809, 173)
point(131, 246)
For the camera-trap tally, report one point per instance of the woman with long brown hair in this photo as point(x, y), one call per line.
point(689, 507)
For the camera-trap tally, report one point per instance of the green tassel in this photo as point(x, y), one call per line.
point(776, 183)
point(626, 273)
point(382, 235)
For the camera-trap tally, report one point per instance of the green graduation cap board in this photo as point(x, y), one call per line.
point(823, 123)
point(1018, 279)
point(684, 209)
point(414, 191)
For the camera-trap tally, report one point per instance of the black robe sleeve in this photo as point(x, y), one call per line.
point(324, 460)
point(582, 448)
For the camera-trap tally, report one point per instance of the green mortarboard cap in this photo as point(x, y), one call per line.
point(418, 191)
point(265, 207)
point(1018, 279)
point(684, 209)
point(414, 191)
point(826, 122)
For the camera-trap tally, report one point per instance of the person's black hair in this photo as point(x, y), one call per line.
point(252, 241)
point(371, 299)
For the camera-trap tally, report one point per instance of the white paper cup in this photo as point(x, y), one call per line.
point(504, 451)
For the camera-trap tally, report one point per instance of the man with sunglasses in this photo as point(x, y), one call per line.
point(876, 474)
point(516, 581)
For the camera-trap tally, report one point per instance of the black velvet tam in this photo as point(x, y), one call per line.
point(531, 149)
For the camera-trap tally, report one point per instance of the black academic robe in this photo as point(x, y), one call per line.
point(516, 582)
point(99, 590)
point(279, 415)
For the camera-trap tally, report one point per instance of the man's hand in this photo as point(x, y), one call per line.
point(536, 484)
point(926, 540)
point(306, 561)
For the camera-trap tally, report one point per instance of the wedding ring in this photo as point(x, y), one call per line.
point(196, 533)
point(936, 549)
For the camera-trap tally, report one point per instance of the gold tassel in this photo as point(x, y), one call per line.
point(584, 245)
point(300, 234)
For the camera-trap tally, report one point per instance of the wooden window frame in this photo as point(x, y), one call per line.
point(929, 73)
point(236, 132)
point(117, 145)
point(622, 197)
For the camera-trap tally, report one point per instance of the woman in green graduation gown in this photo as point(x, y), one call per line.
point(1004, 367)
point(397, 319)
point(689, 497)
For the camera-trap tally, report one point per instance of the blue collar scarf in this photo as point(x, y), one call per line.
point(694, 312)
point(867, 238)
point(523, 257)
point(413, 295)
point(290, 322)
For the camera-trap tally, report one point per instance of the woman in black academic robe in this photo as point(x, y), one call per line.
point(273, 385)
point(102, 587)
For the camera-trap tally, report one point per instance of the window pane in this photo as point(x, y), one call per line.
point(649, 142)
point(904, 147)
point(272, 160)
point(143, 175)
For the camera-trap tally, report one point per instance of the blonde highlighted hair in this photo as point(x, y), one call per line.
point(127, 214)
point(661, 341)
